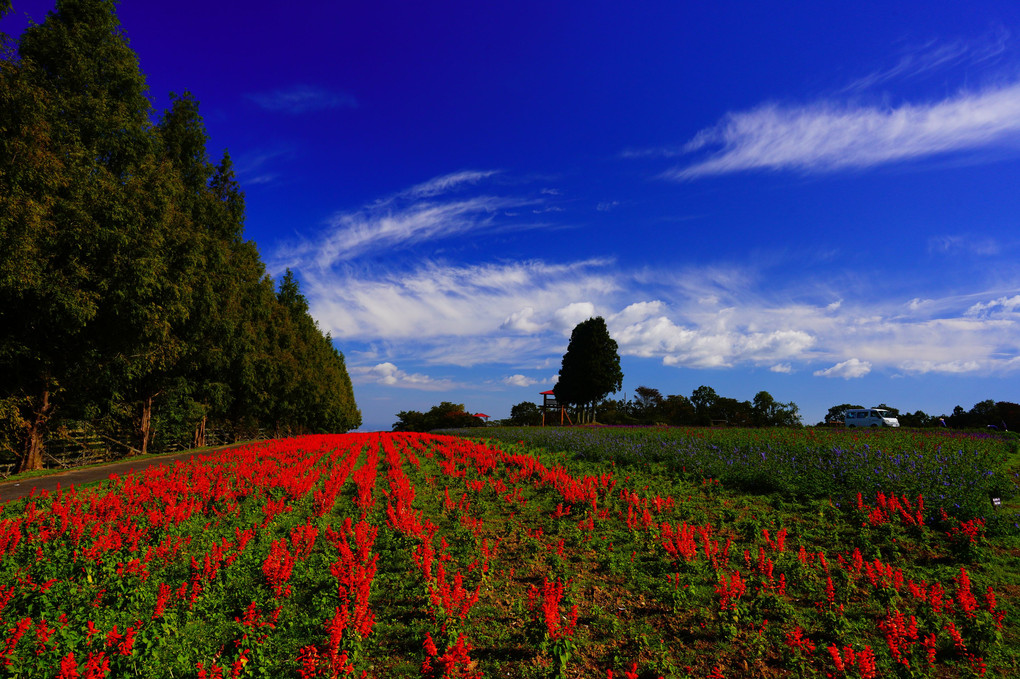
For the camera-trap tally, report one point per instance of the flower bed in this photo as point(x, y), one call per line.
point(385, 555)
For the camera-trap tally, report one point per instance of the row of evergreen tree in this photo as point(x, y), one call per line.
point(128, 295)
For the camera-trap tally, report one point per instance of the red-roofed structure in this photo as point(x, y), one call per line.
point(551, 405)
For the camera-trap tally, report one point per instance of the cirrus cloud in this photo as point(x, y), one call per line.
point(303, 99)
point(826, 136)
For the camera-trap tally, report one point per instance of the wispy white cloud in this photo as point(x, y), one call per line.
point(519, 381)
point(849, 369)
point(483, 349)
point(981, 246)
point(435, 300)
point(947, 367)
point(423, 213)
point(302, 99)
point(388, 375)
point(828, 136)
point(256, 166)
point(935, 56)
point(447, 183)
point(519, 314)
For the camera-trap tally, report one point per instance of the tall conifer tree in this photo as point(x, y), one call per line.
point(127, 292)
point(590, 370)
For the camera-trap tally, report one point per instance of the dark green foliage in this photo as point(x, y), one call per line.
point(128, 296)
point(917, 419)
point(704, 407)
point(767, 412)
point(590, 370)
point(838, 413)
point(446, 415)
point(677, 410)
point(525, 414)
point(987, 414)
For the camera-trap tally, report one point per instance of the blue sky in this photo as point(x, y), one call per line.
point(821, 200)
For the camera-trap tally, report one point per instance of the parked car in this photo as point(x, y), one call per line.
point(869, 417)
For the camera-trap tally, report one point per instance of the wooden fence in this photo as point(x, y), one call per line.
point(71, 447)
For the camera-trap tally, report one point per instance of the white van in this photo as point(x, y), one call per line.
point(869, 417)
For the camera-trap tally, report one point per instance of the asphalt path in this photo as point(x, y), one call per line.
point(16, 489)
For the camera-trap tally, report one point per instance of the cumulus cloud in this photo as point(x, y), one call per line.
point(848, 369)
point(519, 381)
point(724, 343)
point(513, 314)
point(519, 313)
point(521, 321)
point(569, 316)
point(435, 300)
point(828, 136)
point(1002, 304)
point(387, 374)
point(302, 99)
point(637, 312)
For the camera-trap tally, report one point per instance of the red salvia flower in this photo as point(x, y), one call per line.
point(68, 667)
point(97, 666)
point(836, 658)
point(797, 642)
point(43, 632)
point(308, 657)
point(129, 641)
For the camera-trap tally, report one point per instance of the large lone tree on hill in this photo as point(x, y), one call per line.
point(590, 370)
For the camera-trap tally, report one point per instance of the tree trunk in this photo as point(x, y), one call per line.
point(31, 458)
point(145, 425)
point(199, 440)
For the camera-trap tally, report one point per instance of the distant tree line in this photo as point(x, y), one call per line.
point(128, 296)
point(703, 408)
point(446, 415)
point(984, 414)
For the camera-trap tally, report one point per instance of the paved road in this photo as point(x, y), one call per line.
point(16, 489)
